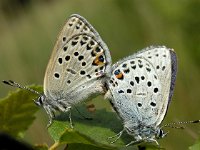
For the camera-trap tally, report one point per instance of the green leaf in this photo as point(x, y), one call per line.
point(196, 146)
point(17, 111)
point(89, 132)
point(83, 147)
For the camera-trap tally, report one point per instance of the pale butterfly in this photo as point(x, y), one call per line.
point(77, 68)
point(140, 90)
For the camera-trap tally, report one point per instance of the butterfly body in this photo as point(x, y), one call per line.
point(77, 68)
point(140, 89)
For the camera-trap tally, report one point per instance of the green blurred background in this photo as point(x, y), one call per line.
point(28, 30)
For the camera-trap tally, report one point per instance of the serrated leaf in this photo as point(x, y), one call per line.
point(17, 111)
point(90, 132)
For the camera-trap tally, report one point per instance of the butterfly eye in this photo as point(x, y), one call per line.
point(40, 100)
point(160, 134)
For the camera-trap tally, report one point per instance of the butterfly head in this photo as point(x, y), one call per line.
point(143, 133)
point(40, 100)
point(160, 133)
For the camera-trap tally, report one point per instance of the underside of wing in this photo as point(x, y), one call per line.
point(141, 85)
point(78, 69)
point(78, 61)
point(75, 24)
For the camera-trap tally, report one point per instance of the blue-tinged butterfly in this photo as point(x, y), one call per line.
point(140, 90)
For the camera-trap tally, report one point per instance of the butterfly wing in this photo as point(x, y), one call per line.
point(141, 86)
point(79, 62)
point(75, 24)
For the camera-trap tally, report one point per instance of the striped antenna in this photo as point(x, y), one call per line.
point(172, 125)
point(15, 84)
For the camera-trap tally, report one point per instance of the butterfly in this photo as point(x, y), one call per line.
point(79, 63)
point(140, 89)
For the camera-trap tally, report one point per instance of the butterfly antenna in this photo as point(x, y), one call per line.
point(15, 84)
point(172, 125)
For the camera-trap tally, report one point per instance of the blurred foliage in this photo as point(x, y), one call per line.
point(29, 29)
point(17, 112)
point(8, 142)
point(196, 146)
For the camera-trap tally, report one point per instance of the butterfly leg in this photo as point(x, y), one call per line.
point(51, 115)
point(65, 107)
point(117, 136)
point(137, 141)
point(153, 140)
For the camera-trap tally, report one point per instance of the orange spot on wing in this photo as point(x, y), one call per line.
point(99, 60)
point(119, 76)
